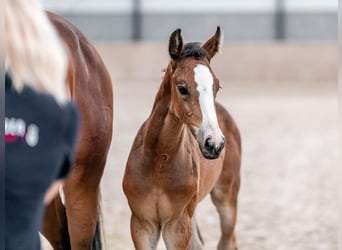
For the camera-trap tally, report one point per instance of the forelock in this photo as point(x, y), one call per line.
point(194, 50)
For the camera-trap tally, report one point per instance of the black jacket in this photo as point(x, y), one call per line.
point(40, 141)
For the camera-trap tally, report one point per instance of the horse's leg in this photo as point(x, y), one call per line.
point(225, 193)
point(82, 211)
point(55, 227)
point(224, 197)
point(177, 233)
point(196, 241)
point(145, 235)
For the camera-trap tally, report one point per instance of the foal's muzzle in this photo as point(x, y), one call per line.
point(211, 149)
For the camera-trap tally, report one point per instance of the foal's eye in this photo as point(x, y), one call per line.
point(182, 90)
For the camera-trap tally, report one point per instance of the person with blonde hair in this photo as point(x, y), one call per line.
point(41, 123)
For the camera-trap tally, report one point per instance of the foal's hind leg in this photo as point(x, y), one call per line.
point(227, 210)
point(196, 242)
point(224, 196)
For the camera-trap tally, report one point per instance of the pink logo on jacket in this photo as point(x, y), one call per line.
point(17, 129)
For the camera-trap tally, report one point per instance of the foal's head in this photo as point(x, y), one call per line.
point(193, 90)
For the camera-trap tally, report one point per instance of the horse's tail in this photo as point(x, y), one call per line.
point(99, 232)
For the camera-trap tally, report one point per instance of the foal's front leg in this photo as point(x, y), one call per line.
point(177, 233)
point(145, 234)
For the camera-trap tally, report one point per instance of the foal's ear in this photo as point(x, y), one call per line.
point(175, 44)
point(213, 45)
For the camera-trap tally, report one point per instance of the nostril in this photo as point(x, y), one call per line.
point(208, 144)
point(219, 148)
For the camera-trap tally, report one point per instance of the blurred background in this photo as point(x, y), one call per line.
point(244, 20)
point(278, 70)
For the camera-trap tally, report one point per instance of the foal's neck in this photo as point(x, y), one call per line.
point(164, 130)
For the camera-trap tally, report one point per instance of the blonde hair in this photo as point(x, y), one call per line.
point(35, 55)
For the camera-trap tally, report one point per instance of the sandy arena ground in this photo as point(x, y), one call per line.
point(288, 122)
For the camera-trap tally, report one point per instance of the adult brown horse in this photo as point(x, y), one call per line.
point(189, 146)
point(73, 225)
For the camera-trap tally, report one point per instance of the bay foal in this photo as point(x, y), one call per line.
point(188, 147)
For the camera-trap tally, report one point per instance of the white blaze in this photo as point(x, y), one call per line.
point(209, 126)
